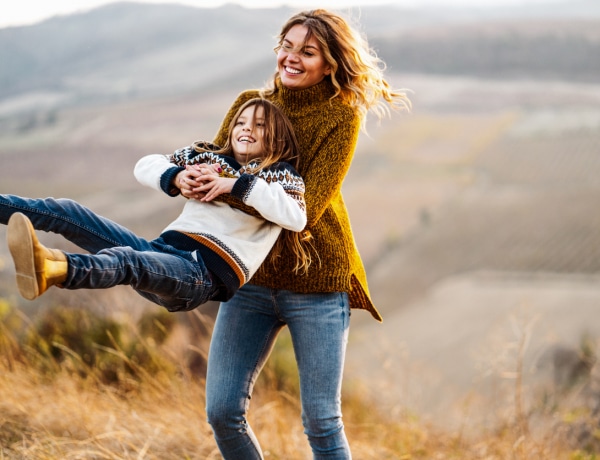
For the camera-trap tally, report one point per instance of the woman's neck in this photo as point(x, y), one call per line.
point(298, 99)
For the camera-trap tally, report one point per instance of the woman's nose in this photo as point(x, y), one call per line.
point(293, 56)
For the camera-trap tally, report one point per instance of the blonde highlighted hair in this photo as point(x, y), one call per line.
point(280, 144)
point(356, 70)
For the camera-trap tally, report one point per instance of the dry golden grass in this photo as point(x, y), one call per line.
point(56, 411)
point(68, 418)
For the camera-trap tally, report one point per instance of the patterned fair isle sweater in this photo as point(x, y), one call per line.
point(327, 131)
point(232, 243)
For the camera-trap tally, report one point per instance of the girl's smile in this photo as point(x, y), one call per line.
point(247, 135)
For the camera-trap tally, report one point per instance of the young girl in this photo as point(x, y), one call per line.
point(206, 253)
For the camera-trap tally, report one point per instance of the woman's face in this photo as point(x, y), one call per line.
point(247, 135)
point(300, 65)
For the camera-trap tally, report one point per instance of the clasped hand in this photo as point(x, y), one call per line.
point(203, 182)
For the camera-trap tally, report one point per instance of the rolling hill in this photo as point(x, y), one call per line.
point(127, 51)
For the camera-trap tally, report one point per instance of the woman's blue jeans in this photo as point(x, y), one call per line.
point(161, 273)
point(244, 334)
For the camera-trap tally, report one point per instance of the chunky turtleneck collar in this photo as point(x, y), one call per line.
point(297, 100)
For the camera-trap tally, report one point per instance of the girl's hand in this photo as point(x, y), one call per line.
point(193, 177)
point(214, 186)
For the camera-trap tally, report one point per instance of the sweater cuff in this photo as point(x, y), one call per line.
point(243, 186)
point(166, 181)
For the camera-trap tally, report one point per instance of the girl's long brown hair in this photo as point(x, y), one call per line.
point(280, 144)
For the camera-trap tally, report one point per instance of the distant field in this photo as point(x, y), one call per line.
point(487, 236)
point(467, 144)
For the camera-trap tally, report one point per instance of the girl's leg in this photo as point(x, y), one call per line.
point(75, 222)
point(168, 277)
point(243, 336)
point(319, 325)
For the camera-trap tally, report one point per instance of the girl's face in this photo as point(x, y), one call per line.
point(247, 135)
point(300, 65)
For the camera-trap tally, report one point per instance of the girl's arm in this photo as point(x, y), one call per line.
point(277, 195)
point(164, 172)
point(280, 201)
point(157, 171)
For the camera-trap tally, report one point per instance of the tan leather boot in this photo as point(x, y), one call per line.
point(37, 266)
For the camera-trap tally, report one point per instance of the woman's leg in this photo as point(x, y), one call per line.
point(75, 222)
point(243, 336)
point(319, 325)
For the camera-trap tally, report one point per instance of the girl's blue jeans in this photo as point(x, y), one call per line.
point(161, 273)
point(244, 334)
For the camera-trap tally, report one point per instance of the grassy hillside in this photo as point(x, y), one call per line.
point(129, 396)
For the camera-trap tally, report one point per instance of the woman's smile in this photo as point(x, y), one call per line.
point(300, 62)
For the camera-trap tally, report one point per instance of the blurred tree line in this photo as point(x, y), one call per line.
point(507, 53)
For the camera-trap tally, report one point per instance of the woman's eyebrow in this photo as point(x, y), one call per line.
point(303, 45)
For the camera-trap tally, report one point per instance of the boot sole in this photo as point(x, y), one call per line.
point(19, 236)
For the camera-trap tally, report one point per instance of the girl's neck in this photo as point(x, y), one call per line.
point(254, 159)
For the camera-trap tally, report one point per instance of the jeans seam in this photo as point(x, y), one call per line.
point(276, 308)
point(63, 218)
point(345, 307)
point(255, 372)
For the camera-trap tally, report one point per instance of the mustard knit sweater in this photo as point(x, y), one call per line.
point(327, 131)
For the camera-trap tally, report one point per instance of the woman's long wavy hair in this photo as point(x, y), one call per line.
point(356, 70)
point(280, 144)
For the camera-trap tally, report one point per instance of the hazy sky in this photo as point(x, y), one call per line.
point(22, 12)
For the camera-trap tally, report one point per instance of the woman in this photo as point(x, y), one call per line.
point(327, 79)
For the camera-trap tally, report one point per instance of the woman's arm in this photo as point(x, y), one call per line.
point(325, 163)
